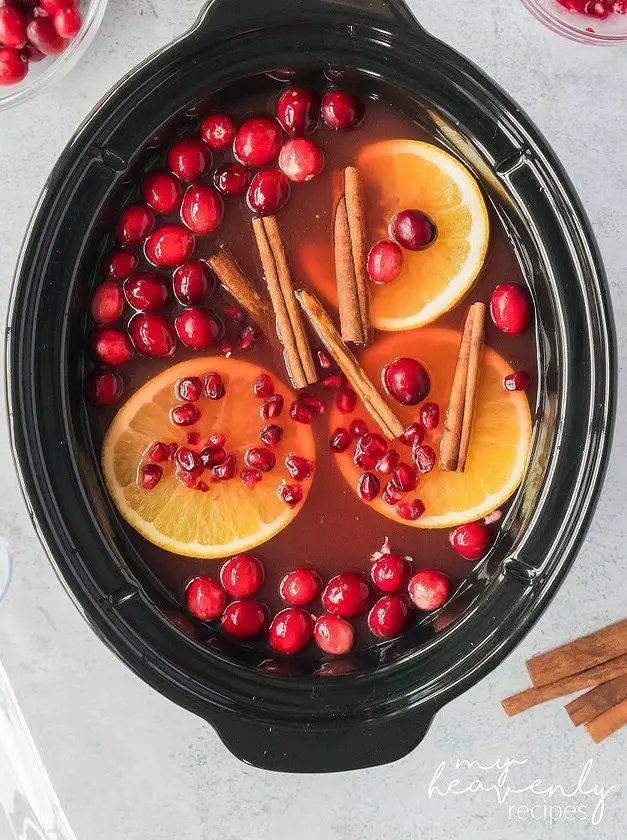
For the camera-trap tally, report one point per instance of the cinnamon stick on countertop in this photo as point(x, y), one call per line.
point(608, 722)
point(597, 700)
point(350, 261)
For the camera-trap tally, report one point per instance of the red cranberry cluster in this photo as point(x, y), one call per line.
point(32, 29)
point(600, 9)
point(411, 230)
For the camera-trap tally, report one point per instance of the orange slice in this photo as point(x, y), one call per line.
point(499, 443)
point(230, 517)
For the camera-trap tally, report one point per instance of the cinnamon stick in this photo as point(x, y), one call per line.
point(350, 261)
point(576, 656)
point(378, 408)
point(289, 322)
point(608, 722)
point(237, 284)
point(598, 700)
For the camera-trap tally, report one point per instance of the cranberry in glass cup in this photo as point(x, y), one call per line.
point(598, 22)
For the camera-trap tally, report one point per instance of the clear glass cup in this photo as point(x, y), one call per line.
point(579, 27)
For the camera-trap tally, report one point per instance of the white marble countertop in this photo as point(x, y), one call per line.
point(129, 764)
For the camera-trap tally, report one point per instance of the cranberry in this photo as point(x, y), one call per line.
point(391, 494)
point(300, 587)
point(12, 28)
point(202, 209)
point(368, 487)
point(259, 458)
point(388, 463)
point(152, 335)
point(231, 179)
point(406, 380)
point(118, 265)
point(385, 261)
point(205, 598)
point(218, 131)
point(242, 575)
point(430, 416)
point(424, 458)
point(198, 328)
point(43, 36)
point(146, 291)
point(157, 451)
point(332, 381)
point(298, 467)
point(169, 246)
point(517, 381)
point(301, 413)
point(212, 456)
point(188, 460)
point(357, 428)
point(291, 494)
point(107, 303)
point(162, 191)
point(301, 160)
point(412, 229)
point(510, 308)
point(68, 22)
point(346, 401)
point(429, 589)
point(369, 450)
point(247, 337)
point(471, 540)
point(13, 67)
point(193, 283)
point(103, 387)
point(185, 414)
point(263, 386)
point(149, 476)
point(410, 511)
point(110, 346)
point(346, 594)
point(324, 360)
point(333, 635)
point(271, 435)
point(297, 111)
point(134, 225)
point(390, 573)
point(290, 630)
point(414, 434)
point(341, 111)
point(340, 440)
point(226, 470)
point(250, 478)
point(244, 619)
point(188, 389)
point(257, 141)
point(189, 159)
point(268, 191)
point(271, 407)
point(214, 386)
point(405, 478)
point(389, 616)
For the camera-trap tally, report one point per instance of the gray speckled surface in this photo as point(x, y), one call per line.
point(128, 763)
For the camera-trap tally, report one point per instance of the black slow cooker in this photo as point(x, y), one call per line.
point(381, 710)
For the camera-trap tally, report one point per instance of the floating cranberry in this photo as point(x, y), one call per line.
point(290, 630)
point(346, 594)
point(134, 225)
point(301, 160)
point(260, 458)
point(184, 415)
point(103, 387)
point(212, 456)
point(107, 303)
point(271, 435)
point(390, 573)
point(110, 346)
point(385, 262)
point(414, 434)
point(388, 617)
point(346, 401)
point(405, 478)
point(388, 463)
point(298, 467)
point(231, 179)
point(333, 635)
point(257, 141)
point(244, 619)
point(357, 428)
point(429, 589)
point(250, 478)
point(271, 407)
point(341, 111)
point(198, 328)
point(149, 476)
point(406, 380)
point(300, 587)
point(152, 335)
point(263, 386)
point(297, 111)
point(68, 22)
point(324, 360)
point(242, 575)
point(188, 460)
point(247, 337)
point(13, 67)
point(205, 598)
point(157, 452)
point(391, 494)
point(471, 540)
point(370, 448)
point(193, 283)
point(424, 458)
point(188, 389)
point(517, 381)
point(268, 191)
point(162, 191)
point(226, 470)
point(189, 159)
point(291, 494)
point(218, 131)
point(12, 27)
point(332, 381)
point(301, 413)
point(340, 440)
point(214, 386)
point(43, 36)
point(146, 291)
point(410, 511)
point(510, 308)
point(202, 209)
point(169, 246)
point(118, 265)
point(430, 416)
point(412, 230)
point(368, 487)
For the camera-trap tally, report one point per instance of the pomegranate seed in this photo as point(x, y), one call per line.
point(290, 630)
point(391, 494)
point(368, 487)
point(263, 386)
point(149, 476)
point(250, 478)
point(324, 360)
point(152, 335)
point(385, 262)
point(107, 303)
point(172, 447)
point(193, 438)
point(413, 435)
point(169, 246)
point(235, 315)
point(187, 479)
point(271, 435)
point(510, 308)
point(68, 22)
point(406, 380)
point(340, 440)
point(214, 386)
point(205, 598)
point(300, 587)
point(146, 291)
point(31, 54)
point(291, 494)
point(271, 407)
point(185, 414)
point(412, 230)
point(332, 381)
point(244, 619)
point(430, 416)
point(620, 7)
point(232, 179)
point(198, 328)
point(357, 428)
point(257, 141)
point(103, 387)
point(188, 389)
point(405, 478)
point(517, 381)
point(390, 573)
point(388, 463)
point(471, 540)
point(301, 160)
point(429, 589)
point(188, 460)
point(218, 131)
point(333, 635)
point(369, 450)
point(346, 401)
point(51, 7)
point(297, 111)
point(202, 209)
point(341, 111)
point(424, 458)
point(156, 452)
point(13, 67)
point(189, 159)
point(301, 413)
point(259, 458)
point(247, 337)
point(269, 190)
point(388, 617)
point(313, 403)
point(202, 486)
point(212, 456)
point(12, 28)
point(226, 470)
point(299, 468)
point(162, 192)
point(43, 36)
point(110, 346)
point(134, 225)
point(346, 594)
point(118, 265)
point(410, 510)
point(242, 575)
point(217, 439)
point(193, 283)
